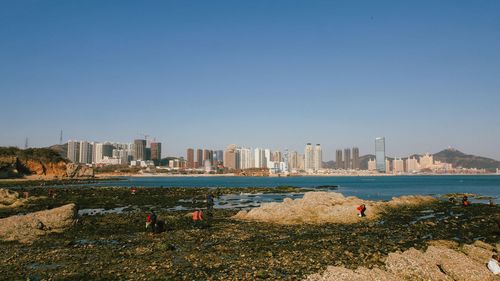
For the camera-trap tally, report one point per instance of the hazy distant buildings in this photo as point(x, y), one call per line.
point(380, 154)
point(199, 158)
point(372, 166)
point(139, 149)
point(339, 163)
point(86, 149)
point(309, 158)
point(347, 159)
point(398, 166)
point(156, 152)
point(74, 151)
point(260, 158)
point(230, 157)
point(293, 161)
point(412, 165)
point(190, 158)
point(426, 161)
point(355, 158)
point(387, 166)
point(318, 158)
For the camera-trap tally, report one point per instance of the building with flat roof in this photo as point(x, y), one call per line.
point(380, 154)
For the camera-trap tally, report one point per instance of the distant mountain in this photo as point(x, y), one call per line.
point(459, 159)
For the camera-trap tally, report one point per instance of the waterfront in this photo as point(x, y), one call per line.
point(372, 188)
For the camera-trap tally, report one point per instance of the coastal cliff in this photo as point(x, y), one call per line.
point(43, 162)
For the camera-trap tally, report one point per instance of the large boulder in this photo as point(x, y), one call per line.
point(26, 228)
point(324, 207)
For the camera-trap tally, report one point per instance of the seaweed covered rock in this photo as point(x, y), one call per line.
point(26, 228)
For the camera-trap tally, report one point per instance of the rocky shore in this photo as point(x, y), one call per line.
point(113, 244)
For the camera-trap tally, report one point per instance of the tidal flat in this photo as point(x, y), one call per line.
point(111, 243)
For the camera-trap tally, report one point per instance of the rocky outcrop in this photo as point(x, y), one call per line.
point(324, 207)
point(14, 167)
point(26, 228)
point(79, 171)
point(438, 262)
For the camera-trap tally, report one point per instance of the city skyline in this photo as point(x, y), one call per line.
point(280, 75)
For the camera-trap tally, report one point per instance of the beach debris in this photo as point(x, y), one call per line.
point(325, 207)
point(26, 228)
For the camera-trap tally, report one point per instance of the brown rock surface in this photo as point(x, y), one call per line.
point(9, 199)
point(324, 207)
point(436, 263)
point(26, 228)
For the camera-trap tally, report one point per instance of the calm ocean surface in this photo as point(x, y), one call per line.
point(373, 188)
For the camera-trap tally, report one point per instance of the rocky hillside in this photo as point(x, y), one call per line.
point(460, 159)
point(17, 163)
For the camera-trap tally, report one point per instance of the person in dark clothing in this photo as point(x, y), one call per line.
point(151, 221)
point(465, 201)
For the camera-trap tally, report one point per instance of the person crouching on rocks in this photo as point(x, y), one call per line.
point(197, 217)
point(361, 210)
point(465, 201)
point(151, 222)
point(493, 264)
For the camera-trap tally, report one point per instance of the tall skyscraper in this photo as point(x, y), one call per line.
point(260, 158)
point(74, 151)
point(199, 158)
point(347, 159)
point(139, 152)
point(267, 153)
point(207, 157)
point(355, 158)
point(309, 158)
point(318, 157)
point(245, 158)
point(85, 152)
point(190, 158)
point(277, 156)
point(339, 163)
point(156, 152)
point(230, 157)
point(293, 160)
point(380, 154)
point(218, 156)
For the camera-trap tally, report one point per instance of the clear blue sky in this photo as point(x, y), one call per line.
point(277, 74)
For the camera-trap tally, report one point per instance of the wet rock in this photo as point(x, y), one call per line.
point(9, 199)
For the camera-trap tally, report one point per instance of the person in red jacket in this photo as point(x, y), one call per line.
point(197, 217)
point(361, 210)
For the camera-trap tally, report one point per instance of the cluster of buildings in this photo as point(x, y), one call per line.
point(138, 153)
point(235, 158)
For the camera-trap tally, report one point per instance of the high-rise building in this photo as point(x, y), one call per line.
point(199, 158)
point(372, 166)
point(426, 161)
point(412, 165)
point(339, 163)
point(207, 157)
point(301, 162)
point(293, 160)
point(139, 149)
point(230, 157)
point(218, 156)
point(74, 151)
point(85, 152)
point(190, 158)
point(318, 158)
point(245, 157)
point(267, 153)
point(309, 158)
point(355, 158)
point(380, 154)
point(347, 159)
point(387, 166)
point(277, 156)
point(156, 152)
point(98, 152)
point(398, 166)
point(260, 158)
